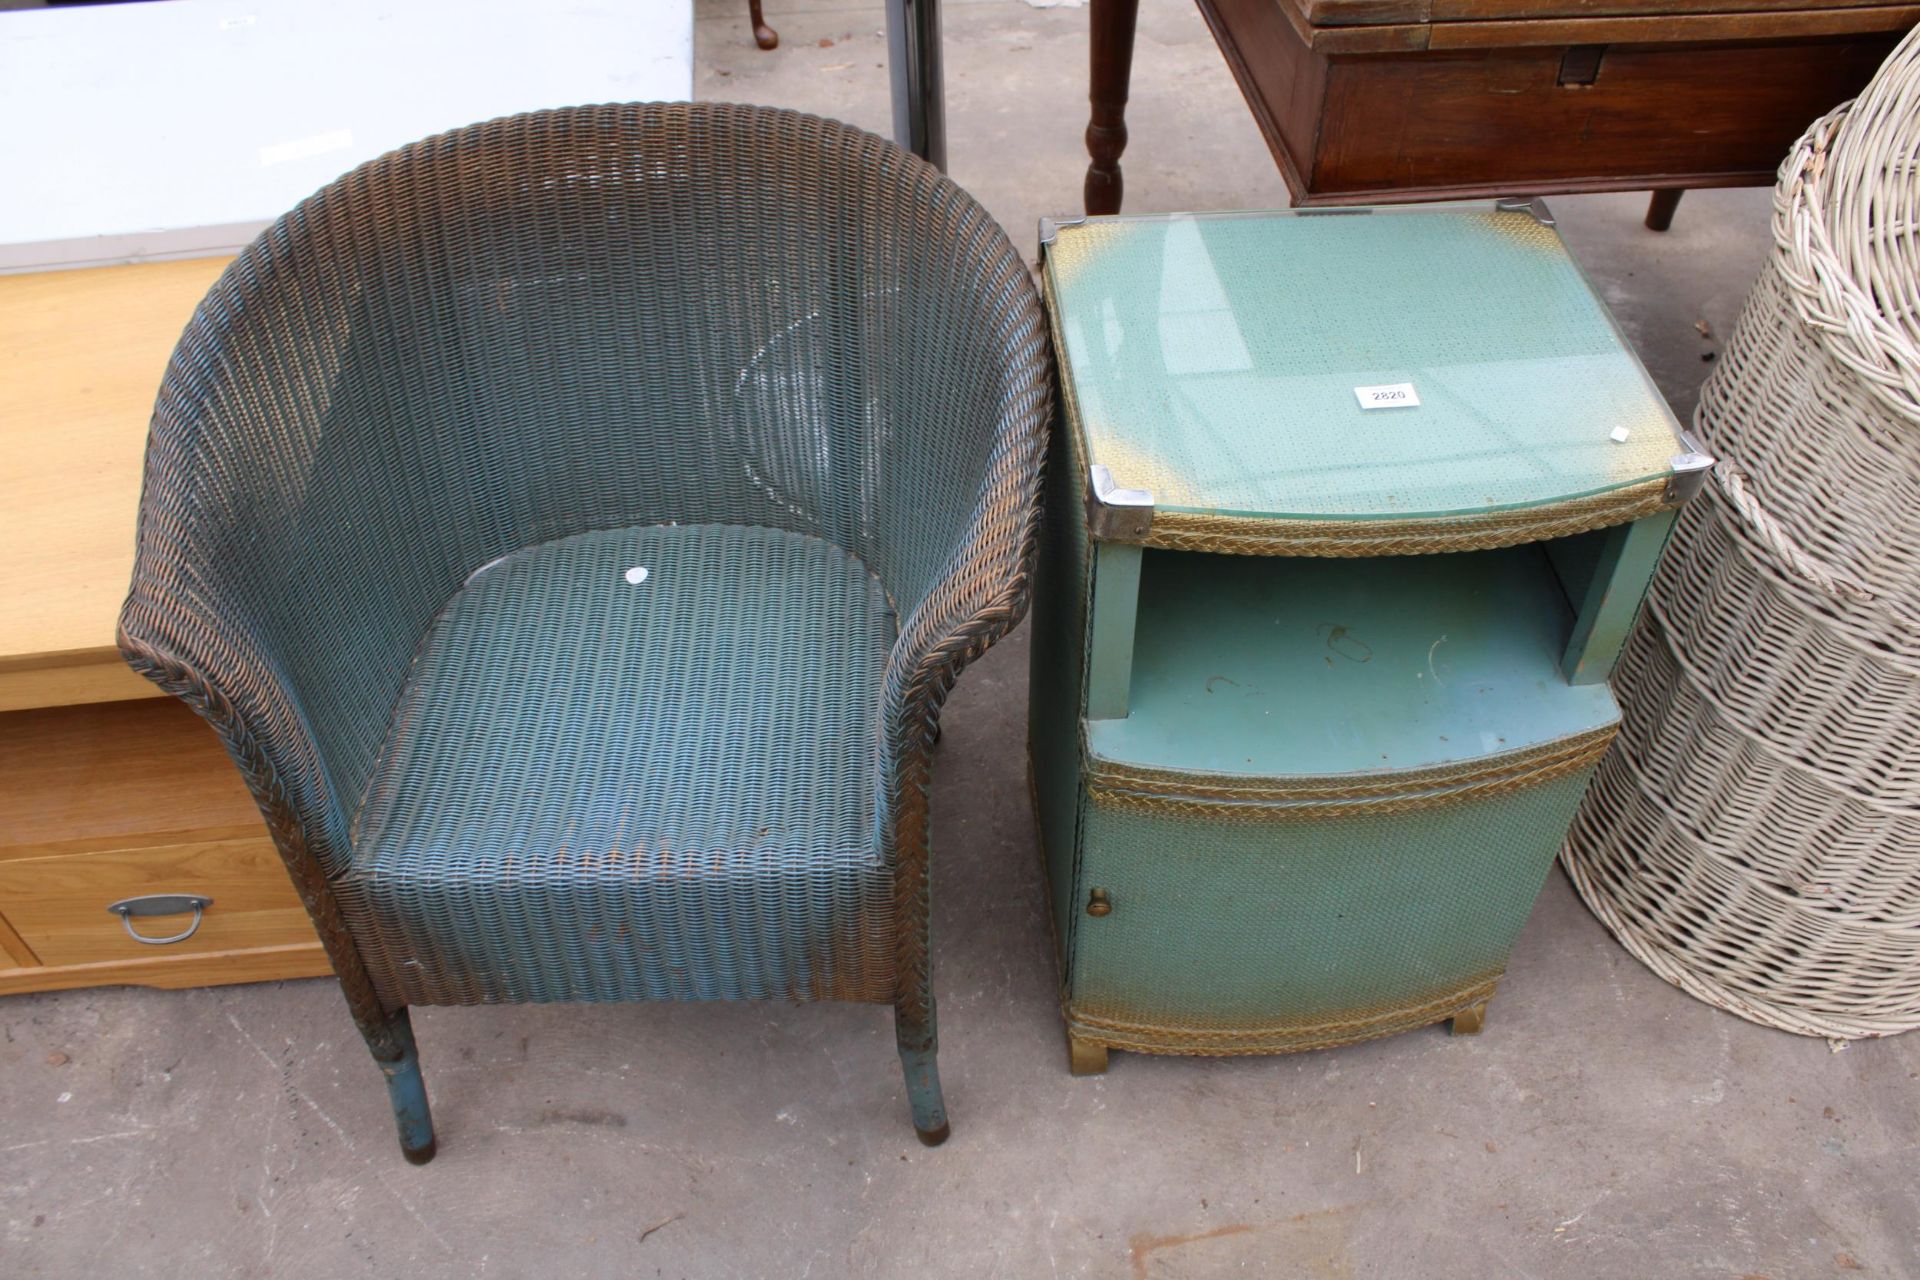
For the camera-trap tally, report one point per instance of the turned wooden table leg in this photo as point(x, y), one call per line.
point(1660, 208)
point(1111, 46)
point(763, 35)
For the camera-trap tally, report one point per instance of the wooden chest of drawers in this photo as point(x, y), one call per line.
point(114, 801)
point(107, 791)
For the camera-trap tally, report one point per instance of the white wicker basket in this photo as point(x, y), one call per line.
point(1732, 793)
point(1744, 627)
point(1755, 835)
point(1827, 490)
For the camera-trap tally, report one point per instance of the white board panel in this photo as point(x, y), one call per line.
point(179, 128)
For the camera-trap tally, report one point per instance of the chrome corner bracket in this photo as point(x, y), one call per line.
point(1115, 514)
point(1689, 470)
point(1050, 228)
point(1531, 204)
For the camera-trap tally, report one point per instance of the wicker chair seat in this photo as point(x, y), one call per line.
point(574, 750)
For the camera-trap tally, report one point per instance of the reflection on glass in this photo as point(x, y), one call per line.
point(1220, 371)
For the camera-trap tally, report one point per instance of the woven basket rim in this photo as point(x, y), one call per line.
point(1837, 192)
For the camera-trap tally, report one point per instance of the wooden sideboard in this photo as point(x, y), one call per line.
point(108, 791)
point(1368, 101)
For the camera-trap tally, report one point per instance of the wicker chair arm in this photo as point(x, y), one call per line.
point(981, 589)
point(232, 607)
point(984, 580)
point(978, 594)
point(981, 599)
point(256, 713)
point(304, 827)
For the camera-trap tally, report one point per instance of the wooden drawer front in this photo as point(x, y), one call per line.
point(1499, 118)
point(58, 906)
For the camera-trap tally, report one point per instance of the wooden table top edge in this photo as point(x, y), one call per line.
point(1349, 13)
point(82, 352)
point(188, 969)
point(1469, 33)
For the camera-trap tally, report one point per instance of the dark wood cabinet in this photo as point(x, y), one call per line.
point(1387, 100)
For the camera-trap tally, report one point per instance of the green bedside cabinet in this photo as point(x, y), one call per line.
point(1348, 516)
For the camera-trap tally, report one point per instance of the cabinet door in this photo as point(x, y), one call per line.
point(1256, 927)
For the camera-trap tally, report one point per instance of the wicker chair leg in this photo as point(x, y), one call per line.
point(408, 1092)
point(923, 1095)
point(919, 1048)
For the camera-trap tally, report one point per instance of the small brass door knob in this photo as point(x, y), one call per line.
point(1099, 904)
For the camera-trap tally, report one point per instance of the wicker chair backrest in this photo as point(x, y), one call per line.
point(552, 323)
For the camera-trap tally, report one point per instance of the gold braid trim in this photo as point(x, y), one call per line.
point(1529, 764)
point(1141, 1037)
point(1312, 804)
point(1260, 536)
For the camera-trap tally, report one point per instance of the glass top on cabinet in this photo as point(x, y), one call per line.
point(1220, 363)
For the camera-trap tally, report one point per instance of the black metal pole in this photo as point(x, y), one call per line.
point(913, 64)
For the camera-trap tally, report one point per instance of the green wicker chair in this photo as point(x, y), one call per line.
point(573, 524)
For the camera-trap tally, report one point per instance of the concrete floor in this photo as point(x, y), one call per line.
point(1604, 1125)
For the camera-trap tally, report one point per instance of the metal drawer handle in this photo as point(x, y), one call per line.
point(161, 904)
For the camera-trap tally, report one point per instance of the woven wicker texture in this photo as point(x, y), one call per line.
point(1353, 539)
point(1057, 643)
point(416, 436)
point(1368, 792)
point(1755, 836)
point(1340, 926)
point(596, 781)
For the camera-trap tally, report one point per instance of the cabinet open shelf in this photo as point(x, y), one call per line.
point(1290, 666)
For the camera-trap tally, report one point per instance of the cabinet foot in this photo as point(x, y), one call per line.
point(1084, 1057)
point(1468, 1022)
